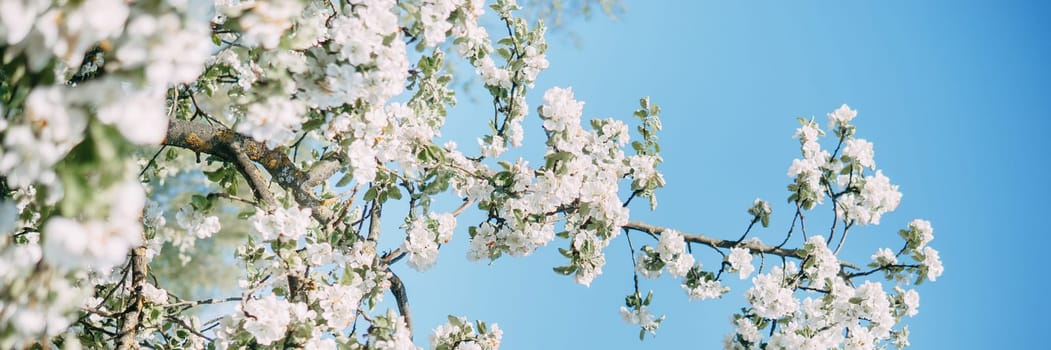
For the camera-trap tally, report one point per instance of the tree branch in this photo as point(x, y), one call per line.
point(130, 317)
point(253, 176)
point(232, 147)
point(722, 243)
point(398, 289)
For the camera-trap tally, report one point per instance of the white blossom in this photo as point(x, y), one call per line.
point(769, 298)
point(274, 121)
point(932, 263)
point(841, 116)
point(196, 223)
point(266, 318)
point(290, 223)
point(860, 151)
point(740, 260)
point(154, 295)
point(911, 299)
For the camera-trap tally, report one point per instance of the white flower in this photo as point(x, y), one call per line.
point(841, 116)
point(926, 232)
point(154, 295)
point(823, 264)
point(267, 21)
point(641, 317)
point(195, 223)
point(401, 339)
point(266, 318)
point(912, 302)
point(274, 121)
point(169, 49)
point(319, 253)
point(362, 161)
point(681, 265)
point(705, 289)
point(493, 75)
point(291, 223)
point(421, 246)
point(17, 17)
point(878, 196)
point(446, 224)
point(932, 263)
point(860, 151)
point(740, 260)
point(560, 109)
point(339, 303)
point(52, 128)
point(670, 245)
point(434, 14)
point(769, 298)
point(98, 244)
point(138, 115)
point(747, 330)
point(884, 257)
point(317, 343)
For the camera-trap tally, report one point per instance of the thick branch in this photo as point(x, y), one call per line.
point(722, 243)
point(398, 289)
point(130, 318)
point(253, 176)
point(230, 146)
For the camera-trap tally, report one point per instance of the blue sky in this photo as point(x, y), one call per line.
point(952, 93)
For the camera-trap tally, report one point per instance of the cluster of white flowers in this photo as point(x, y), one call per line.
point(583, 170)
point(42, 308)
point(747, 331)
point(808, 171)
point(328, 71)
point(860, 151)
point(281, 223)
point(154, 295)
point(381, 136)
point(703, 287)
point(740, 260)
point(37, 305)
point(434, 14)
point(46, 31)
point(821, 264)
point(167, 47)
point(196, 223)
point(877, 197)
point(671, 253)
point(366, 66)
point(400, 338)
point(864, 198)
point(262, 22)
point(932, 263)
point(146, 48)
point(274, 121)
point(841, 117)
point(424, 236)
point(51, 127)
point(771, 294)
point(459, 334)
point(102, 243)
point(846, 316)
point(339, 304)
point(642, 317)
point(884, 257)
point(266, 318)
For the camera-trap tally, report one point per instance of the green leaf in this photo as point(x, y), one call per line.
point(200, 203)
point(345, 180)
point(370, 194)
point(565, 270)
